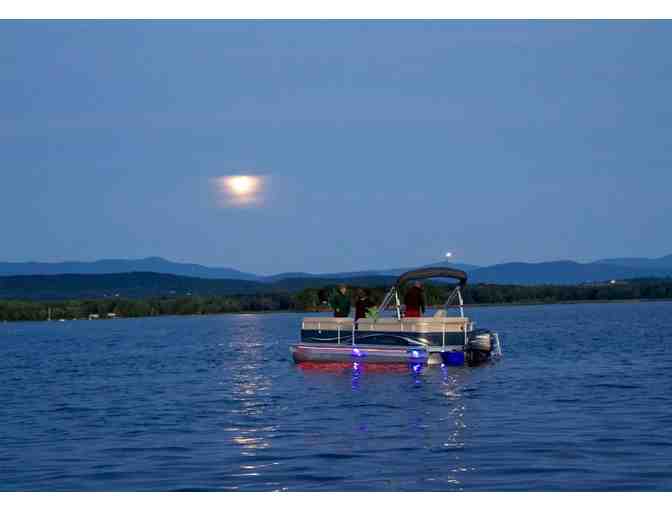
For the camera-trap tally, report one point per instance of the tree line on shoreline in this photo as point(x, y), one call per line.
point(315, 299)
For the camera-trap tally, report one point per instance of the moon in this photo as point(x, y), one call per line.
point(242, 185)
point(239, 190)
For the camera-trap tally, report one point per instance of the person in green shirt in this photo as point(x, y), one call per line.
point(340, 302)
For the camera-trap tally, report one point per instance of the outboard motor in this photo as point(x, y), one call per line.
point(479, 346)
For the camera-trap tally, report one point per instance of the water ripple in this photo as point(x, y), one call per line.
point(579, 402)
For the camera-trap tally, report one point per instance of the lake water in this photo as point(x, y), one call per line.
point(581, 400)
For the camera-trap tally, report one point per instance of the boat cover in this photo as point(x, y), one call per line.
point(433, 272)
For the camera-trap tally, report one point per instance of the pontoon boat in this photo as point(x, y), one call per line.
point(418, 340)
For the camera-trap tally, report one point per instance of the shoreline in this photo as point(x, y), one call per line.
point(536, 303)
point(327, 310)
point(570, 302)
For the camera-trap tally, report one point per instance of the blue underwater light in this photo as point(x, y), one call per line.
point(417, 355)
point(416, 371)
point(453, 358)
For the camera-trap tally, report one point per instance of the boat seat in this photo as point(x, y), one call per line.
point(415, 324)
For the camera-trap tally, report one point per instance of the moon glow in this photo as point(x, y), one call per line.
point(239, 190)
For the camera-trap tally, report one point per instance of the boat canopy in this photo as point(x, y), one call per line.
point(422, 274)
point(433, 272)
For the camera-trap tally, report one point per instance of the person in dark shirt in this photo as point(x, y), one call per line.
point(414, 301)
point(340, 302)
point(362, 304)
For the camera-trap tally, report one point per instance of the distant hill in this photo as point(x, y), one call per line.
point(363, 274)
point(562, 272)
point(144, 284)
point(664, 263)
point(557, 272)
point(148, 284)
point(110, 266)
point(297, 284)
point(161, 265)
point(132, 285)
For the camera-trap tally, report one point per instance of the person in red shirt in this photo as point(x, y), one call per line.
point(414, 301)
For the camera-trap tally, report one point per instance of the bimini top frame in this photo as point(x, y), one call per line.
point(423, 274)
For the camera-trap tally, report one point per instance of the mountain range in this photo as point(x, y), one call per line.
point(110, 266)
point(161, 265)
point(143, 284)
point(558, 272)
point(640, 262)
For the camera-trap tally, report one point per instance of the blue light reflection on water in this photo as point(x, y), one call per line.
point(580, 401)
point(356, 375)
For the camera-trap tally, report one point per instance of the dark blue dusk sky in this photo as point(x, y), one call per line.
point(382, 144)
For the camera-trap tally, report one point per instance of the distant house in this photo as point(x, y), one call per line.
point(94, 316)
point(111, 315)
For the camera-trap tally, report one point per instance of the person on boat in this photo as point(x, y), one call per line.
point(362, 304)
point(414, 301)
point(340, 302)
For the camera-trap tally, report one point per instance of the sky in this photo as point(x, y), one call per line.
point(378, 144)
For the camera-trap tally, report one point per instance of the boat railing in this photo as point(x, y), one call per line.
point(337, 324)
point(406, 324)
point(345, 328)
